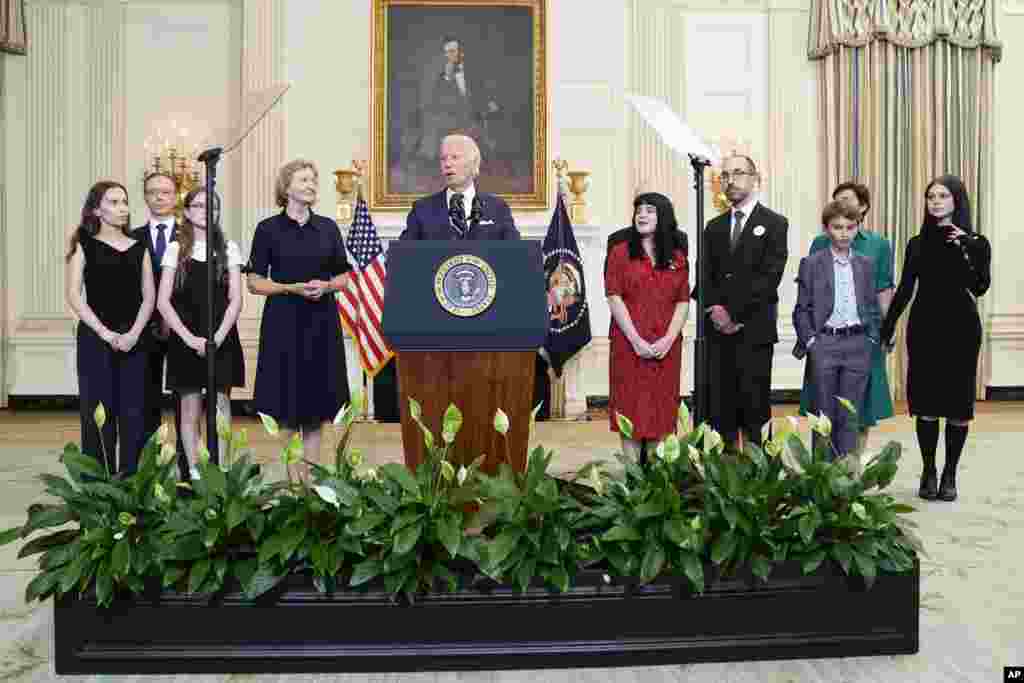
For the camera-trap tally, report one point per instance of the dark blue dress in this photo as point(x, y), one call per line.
point(301, 360)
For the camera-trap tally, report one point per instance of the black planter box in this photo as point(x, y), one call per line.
point(792, 616)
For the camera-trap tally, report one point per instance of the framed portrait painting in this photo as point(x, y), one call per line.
point(475, 67)
point(13, 32)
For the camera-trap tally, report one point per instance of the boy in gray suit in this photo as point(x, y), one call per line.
point(837, 319)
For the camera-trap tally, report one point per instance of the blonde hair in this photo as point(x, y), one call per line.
point(474, 151)
point(284, 178)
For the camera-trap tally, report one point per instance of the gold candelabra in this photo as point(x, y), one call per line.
point(728, 145)
point(175, 156)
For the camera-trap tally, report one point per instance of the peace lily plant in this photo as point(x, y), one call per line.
point(695, 512)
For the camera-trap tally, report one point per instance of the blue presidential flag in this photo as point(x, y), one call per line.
point(569, 317)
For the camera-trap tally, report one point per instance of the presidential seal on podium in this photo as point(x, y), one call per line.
point(465, 285)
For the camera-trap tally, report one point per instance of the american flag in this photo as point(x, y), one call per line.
point(361, 301)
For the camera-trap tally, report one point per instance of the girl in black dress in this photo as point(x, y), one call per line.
point(117, 276)
point(182, 303)
point(951, 263)
point(298, 262)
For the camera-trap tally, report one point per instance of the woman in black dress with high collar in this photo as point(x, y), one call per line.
point(116, 274)
point(951, 264)
point(298, 262)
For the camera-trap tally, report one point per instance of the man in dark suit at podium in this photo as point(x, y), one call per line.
point(457, 212)
point(460, 212)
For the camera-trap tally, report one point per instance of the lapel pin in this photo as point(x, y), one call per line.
point(758, 231)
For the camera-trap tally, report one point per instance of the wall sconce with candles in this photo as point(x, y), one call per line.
point(174, 155)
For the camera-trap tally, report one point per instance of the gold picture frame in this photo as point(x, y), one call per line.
point(494, 89)
point(13, 27)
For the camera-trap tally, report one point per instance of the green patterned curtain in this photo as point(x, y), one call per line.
point(905, 94)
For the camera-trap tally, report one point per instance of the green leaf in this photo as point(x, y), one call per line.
point(42, 516)
point(237, 512)
point(44, 543)
point(621, 533)
point(449, 531)
point(172, 575)
point(625, 425)
point(59, 555)
point(73, 572)
point(109, 491)
point(501, 422)
point(675, 530)
point(415, 411)
point(760, 566)
point(558, 578)
point(723, 547)
point(653, 562)
point(405, 540)
point(366, 571)
point(121, 557)
point(262, 581)
point(42, 585)
point(500, 548)
point(843, 555)
point(269, 424)
point(405, 519)
point(867, 567)
point(366, 523)
point(694, 570)
point(200, 570)
point(58, 486)
point(808, 524)
point(813, 561)
point(651, 508)
point(10, 535)
point(451, 423)
point(104, 586)
point(256, 522)
point(400, 475)
point(244, 570)
point(213, 478)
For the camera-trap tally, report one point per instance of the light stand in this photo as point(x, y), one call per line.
point(210, 157)
point(701, 405)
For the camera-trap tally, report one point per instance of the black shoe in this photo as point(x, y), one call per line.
point(947, 489)
point(929, 486)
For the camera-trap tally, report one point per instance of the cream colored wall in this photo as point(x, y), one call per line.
point(1005, 301)
point(105, 72)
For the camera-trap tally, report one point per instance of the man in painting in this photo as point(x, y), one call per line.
point(458, 101)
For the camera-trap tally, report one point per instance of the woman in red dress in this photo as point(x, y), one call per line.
point(648, 290)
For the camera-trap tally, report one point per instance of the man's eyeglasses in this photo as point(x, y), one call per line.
point(160, 193)
point(726, 176)
point(197, 206)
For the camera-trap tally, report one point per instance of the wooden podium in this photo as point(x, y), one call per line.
point(466, 319)
point(478, 383)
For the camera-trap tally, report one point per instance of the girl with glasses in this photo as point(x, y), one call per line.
point(182, 301)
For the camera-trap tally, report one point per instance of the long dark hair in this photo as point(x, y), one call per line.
point(664, 233)
point(89, 223)
point(961, 207)
point(187, 239)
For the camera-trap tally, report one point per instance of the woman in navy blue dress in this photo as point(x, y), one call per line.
point(298, 261)
point(116, 275)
